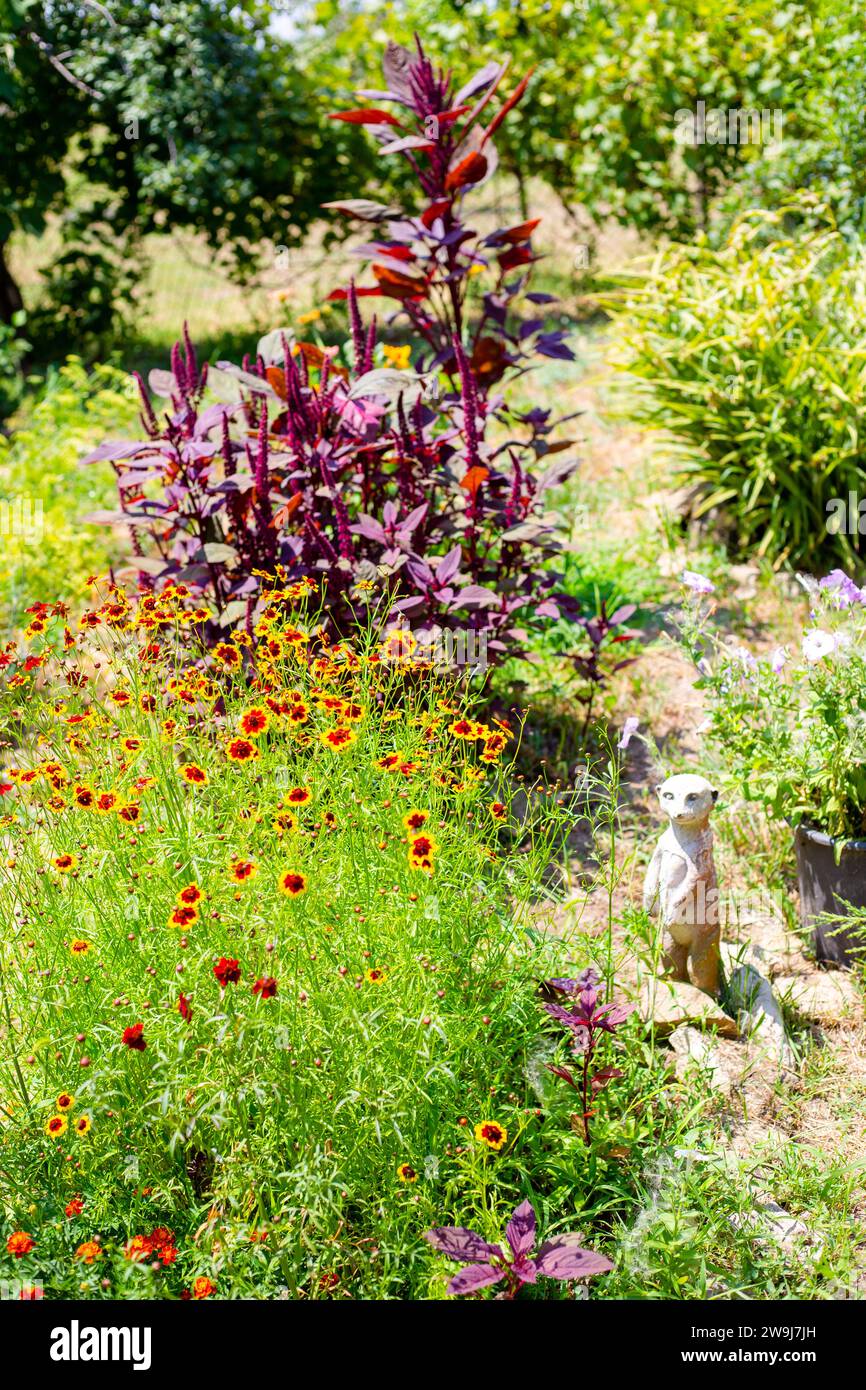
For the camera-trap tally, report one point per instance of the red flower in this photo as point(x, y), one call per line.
point(20, 1243)
point(183, 1008)
point(227, 971)
point(134, 1037)
point(75, 1207)
point(266, 987)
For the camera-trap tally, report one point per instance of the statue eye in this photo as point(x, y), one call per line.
point(668, 796)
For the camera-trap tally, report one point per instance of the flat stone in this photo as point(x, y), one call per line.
point(695, 1052)
point(767, 930)
point(827, 996)
point(667, 1004)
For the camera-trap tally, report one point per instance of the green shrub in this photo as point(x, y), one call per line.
point(750, 359)
point(40, 469)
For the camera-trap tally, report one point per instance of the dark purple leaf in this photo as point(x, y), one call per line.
point(458, 1243)
point(564, 1258)
point(520, 1231)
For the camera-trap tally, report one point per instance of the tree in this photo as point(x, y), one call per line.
point(176, 113)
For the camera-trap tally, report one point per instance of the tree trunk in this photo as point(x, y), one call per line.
point(10, 295)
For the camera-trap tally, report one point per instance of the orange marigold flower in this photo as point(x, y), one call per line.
point(75, 1207)
point(20, 1243)
point(88, 1252)
point(240, 750)
point(203, 1287)
point(243, 870)
point(138, 1248)
point(292, 883)
point(192, 773)
point(254, 722)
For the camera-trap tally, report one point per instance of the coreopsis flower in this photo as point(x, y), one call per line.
point(183, 917)
point(184, 1008)
point(266, 987)
point(254, 722)
point(129, 812)
point(83, 1125)
point(338, 738)
point(84, 797)
point(133, 1037)
point(64, 863)
point(79, 947)
point(56, 1126)
point(298, 796)
point(193, 774)
point(227, 971)
point(413, 820)
point(376, 977)
point(406, 1173)
point(497, 810)
point(243, 870)
point(292, 883)
point(488, 1264)
point(491, 1133)
point(241, 750)
point(190, 895)
point(20, 1243)
point(65, 1101)
point(105, 803)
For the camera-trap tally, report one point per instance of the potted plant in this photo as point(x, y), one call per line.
point(791, 727)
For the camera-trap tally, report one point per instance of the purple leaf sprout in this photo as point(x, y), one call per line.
point(587, 1022)
point(559, 1258)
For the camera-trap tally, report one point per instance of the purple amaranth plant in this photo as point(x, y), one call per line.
point(587, 1021)
point(559, 1258)
point(409, 494)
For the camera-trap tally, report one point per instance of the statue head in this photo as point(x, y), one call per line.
point(687, 799)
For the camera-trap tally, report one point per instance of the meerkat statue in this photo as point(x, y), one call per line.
point(681, 883)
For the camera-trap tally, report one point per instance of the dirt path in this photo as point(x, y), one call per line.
point(768, 1120)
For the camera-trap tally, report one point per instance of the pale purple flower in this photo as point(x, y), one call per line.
point(629, 728)
point(698, 583)
point(778, 657)
point(817, 644)
point(842, 589)
point(560, 1258)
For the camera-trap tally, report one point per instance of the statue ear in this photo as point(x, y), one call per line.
point(715, 795)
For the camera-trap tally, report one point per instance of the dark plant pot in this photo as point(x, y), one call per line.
point(826, 886)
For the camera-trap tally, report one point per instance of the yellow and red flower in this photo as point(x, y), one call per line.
point(292, 883)
point(491, 1133)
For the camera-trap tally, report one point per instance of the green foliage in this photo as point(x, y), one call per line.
point(789, 728)
point(179, 113)
point(600, 120)
point(39, 464)
point(750, 359)
point(12, 349)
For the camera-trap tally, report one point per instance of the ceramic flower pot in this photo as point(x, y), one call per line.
point(825, 886)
